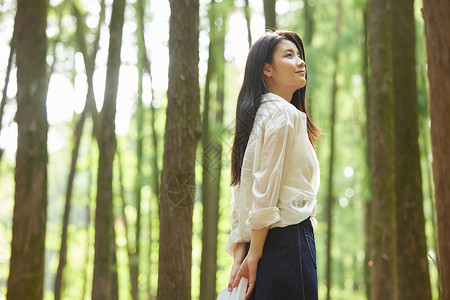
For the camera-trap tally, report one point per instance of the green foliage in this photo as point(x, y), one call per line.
point(350, 192)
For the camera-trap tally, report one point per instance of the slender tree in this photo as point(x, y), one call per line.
point(309, 22)
point(269, 14)
point(26, 273)
point(5, 87)
point(367, 181)
point(101, 288)
point(63, 249)
point(114, 276)
point(331, 197)
point(122, 208)
point(77, 141)
point(212, 148)
point(383, 279)
point(181, 137)
point(437, 26)
point(412, 264)
point(139, 115)
point(89, 217)
point(248, 19)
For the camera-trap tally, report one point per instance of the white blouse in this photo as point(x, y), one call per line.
point(280, 173)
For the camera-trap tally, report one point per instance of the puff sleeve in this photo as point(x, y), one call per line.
point(268, 171)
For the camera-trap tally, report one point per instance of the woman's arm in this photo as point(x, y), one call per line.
point(249, 266)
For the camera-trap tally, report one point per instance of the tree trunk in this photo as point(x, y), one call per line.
point(412, 264)
point(367, 181)
point(437, 26)
point(107, 147)
point(77, 136)
point(63, 249)
point(181, 136)
point(146, 64)
point(114, 275)
point(309, 22)
point(270, 14)
point(122, 209)
point(425, 149)
point(248, 19)
point(89, 60)
point(331, 198)
point(212, 153)
point(26, 275)
point(87, 257)
point(5, 87)
point(383, 260)
point(134, 257)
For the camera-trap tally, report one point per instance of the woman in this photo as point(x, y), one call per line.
point(275, 175)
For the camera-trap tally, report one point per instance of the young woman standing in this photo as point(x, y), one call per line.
point(275, 175)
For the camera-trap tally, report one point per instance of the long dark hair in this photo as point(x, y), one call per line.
point(253, 87)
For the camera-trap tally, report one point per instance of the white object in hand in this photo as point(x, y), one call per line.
point(238, 292)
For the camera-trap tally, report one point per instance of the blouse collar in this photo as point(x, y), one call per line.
point(274, 97)
point(271, 96)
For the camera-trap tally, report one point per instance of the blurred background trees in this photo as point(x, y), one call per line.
point(116, 124)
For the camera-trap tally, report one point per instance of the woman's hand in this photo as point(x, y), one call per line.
point(248, 267)
point(238, 254)
point(248, 270)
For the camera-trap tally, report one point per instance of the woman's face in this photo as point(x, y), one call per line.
point(287, 73)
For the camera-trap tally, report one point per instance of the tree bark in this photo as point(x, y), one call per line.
point(212, 151)
point(77, 136)
point(181, 137)
point(270, 14)
point(87, 256)
point(437, 26)
point(383, 279)
point(331, 198)
point(26, 276)
point(107, 146)
point(122, 209)
point(309, 22)
point(248, 19)
point(139, 114)
point(63, 249)
point(412, 264)
point(114, 275)
point(5, 87)
point(367, 181)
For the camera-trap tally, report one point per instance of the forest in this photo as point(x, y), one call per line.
point(117, 121)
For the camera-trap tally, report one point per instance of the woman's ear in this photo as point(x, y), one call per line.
point(268, 69)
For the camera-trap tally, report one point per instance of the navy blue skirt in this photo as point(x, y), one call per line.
point(287, 270)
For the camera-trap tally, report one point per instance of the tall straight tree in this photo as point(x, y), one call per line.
point(212, 148)
point(101, 289)
point(367, 180)
point(270, 15)
point(134, 252)
point(5, 87)
point(26, 273)
point(437, 27)
point(181, 137)
point(308, 11)
point(89, 64)
point(412, 264)
point(383, 279)
point(210, 200)
point(330, 202)
point(248, 19)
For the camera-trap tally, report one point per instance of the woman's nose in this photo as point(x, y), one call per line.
point(300, 62)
